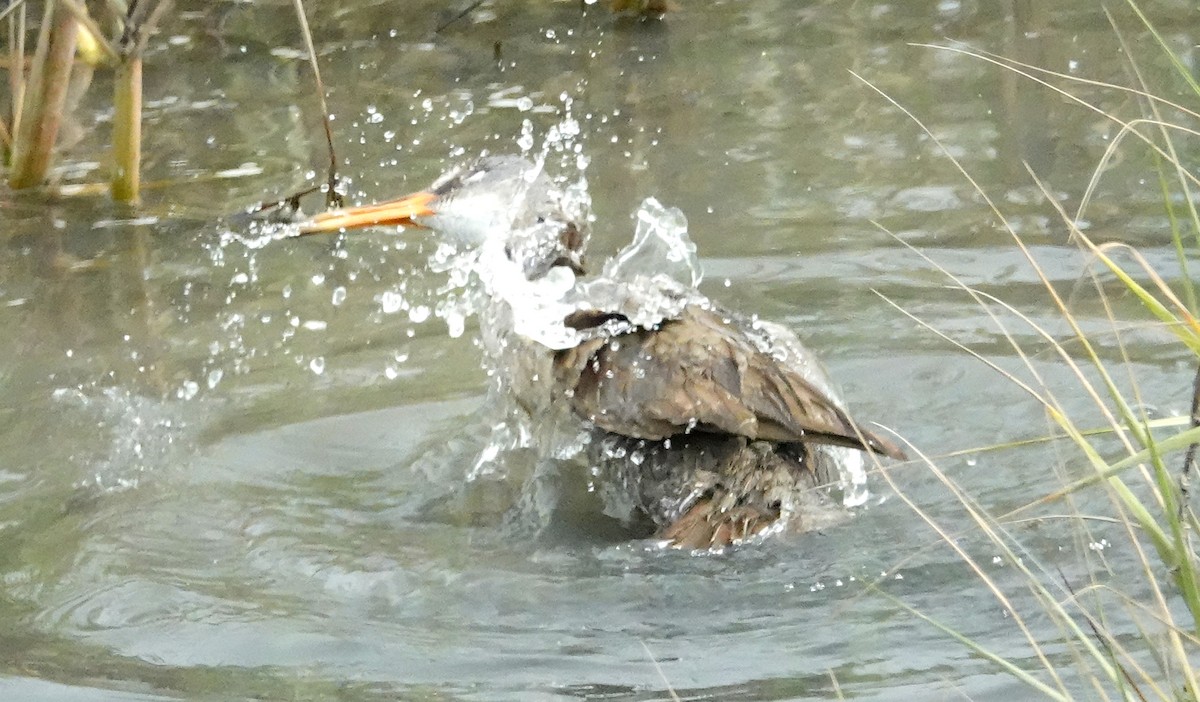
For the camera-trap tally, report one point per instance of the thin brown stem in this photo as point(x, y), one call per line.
point(16, 71)
point(470, 7)
point(1190, 457)
point(333, 198)
point(12, 6)
point(33, 148)
point(1102, 640)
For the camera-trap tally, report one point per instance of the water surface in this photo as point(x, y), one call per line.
point(240, 473)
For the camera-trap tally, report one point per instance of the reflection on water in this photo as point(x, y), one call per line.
point(237, 469)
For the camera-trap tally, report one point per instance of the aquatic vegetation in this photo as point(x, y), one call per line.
point(41, 101)
point(1117, 629)
point(229, 465)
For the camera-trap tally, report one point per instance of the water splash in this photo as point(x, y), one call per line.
point(661, 246)
point(534, 308)
point(144, 434)
point(258, 234)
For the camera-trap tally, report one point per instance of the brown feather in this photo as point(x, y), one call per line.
point(705, 526)
point(701, 373)
point(736, 490)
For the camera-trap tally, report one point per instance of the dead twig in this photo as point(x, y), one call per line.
point(333, 198)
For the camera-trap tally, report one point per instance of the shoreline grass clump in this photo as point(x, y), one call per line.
point(1110, 630)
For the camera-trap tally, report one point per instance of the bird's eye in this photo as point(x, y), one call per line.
point(541, 219)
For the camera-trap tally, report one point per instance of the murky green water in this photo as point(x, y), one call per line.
point(238, 473)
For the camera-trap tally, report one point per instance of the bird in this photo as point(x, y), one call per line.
point(717, 426)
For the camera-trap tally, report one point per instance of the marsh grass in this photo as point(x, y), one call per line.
point(70, 43)
point(43, 96)
point(1110, 630)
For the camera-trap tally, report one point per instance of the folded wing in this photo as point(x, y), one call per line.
point(699, 373)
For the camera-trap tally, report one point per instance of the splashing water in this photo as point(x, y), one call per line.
point(136, 435)
point(258, 234)
point(661, 246)
point(649, 281)
point(537, 308)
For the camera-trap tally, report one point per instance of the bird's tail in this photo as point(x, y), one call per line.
point(709, 525)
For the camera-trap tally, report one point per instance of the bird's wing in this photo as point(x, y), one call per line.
point(700, 373)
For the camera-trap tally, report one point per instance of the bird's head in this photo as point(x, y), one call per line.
point(495, 201)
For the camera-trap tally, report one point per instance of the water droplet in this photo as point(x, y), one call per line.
point(525, 141)
point(391, 302)
point(339, 296)
point(317, 365)
point(188, 390)
point(456, 324)
point(419, 314)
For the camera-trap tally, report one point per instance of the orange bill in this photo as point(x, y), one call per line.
point(391, 213)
